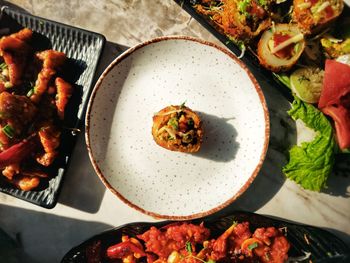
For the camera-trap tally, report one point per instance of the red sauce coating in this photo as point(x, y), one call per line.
point(236, 244)
point(329, 12)
point(286, 52)
point(174, 238)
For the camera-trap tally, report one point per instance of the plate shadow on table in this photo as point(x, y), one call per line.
point(82, 189)
point(270, 177)
point(40, 237)
point(219, 143)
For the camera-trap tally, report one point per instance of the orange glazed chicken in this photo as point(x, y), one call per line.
point(32, 103)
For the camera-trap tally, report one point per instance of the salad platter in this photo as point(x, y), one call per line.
point(307, 243)
point(82, 49)
point(301, 48)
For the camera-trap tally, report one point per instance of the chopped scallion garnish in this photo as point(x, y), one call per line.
point(9, 131)
point(3, 66)
point(253, 245)
point(30, 92)
point(189, 247)
point(174, 123)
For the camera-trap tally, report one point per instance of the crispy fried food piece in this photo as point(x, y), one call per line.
point(177, 128)
point(313, 16)
point(25, 34)
point(280, 48)
point(17, 110)
point(64, 92)
point(174, 237)
point(240, 20)
point(50, 140)
point(26, 183)
point(52, 61)
point(11, 170)
point(14, 50)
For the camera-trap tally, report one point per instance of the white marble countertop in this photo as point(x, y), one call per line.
point(86, 208)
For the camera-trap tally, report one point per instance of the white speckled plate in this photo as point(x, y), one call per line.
point(169, 71)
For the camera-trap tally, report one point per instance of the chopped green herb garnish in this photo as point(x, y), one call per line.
point(189, 250)
point(262, 3)
point(243, 7)
point(253, 245)
point(173, 122)
point(182, 105)
point(30, 92)
point(303, 78)
point(9, 131)
point(3, 66)
point(189, 247)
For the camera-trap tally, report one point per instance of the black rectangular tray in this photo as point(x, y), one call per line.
point(249, 58)
point(83, 49)
point(319, 244)
point(253, 63)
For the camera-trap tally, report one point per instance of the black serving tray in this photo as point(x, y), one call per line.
point(83, 49)
point(249, 57)
point(323, 246)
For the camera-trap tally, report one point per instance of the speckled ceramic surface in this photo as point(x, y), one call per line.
point(170, 71)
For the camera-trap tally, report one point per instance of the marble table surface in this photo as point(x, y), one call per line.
point(86, 208)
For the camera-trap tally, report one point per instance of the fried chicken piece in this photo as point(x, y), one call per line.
point(50, 139)
point(26, 183)
point(173, 237)
point(240, 21)
point(313, 16)
point(52, 61)
point(25, 34)
point(64, 92)
point(14, 50)
point(16, 110)
point(10, 171)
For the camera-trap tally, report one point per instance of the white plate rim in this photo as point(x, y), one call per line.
point(123, 56)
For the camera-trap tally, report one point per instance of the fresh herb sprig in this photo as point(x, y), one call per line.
point(189, 251)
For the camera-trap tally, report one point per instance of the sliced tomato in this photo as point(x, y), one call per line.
point(335, 98)
point(341, 117)
point(336, 83)
point(286, 52)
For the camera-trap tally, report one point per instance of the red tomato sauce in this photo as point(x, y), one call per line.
point(192, 244)
point(286, 52)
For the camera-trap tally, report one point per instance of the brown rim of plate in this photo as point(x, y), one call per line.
point(262, 155)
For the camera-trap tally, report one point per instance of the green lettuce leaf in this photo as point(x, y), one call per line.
point(311, 163)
